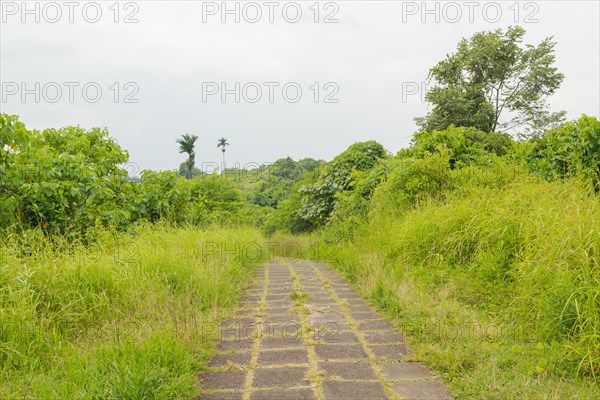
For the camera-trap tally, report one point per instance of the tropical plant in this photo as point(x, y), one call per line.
point(186, 145)
point(222, 144)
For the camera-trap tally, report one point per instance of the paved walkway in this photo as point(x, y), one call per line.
point(304, 334)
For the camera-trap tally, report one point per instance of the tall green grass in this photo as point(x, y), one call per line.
point(498, 286)
point(129, 317)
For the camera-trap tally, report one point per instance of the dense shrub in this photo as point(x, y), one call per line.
point(287, 217)
point(352, 205)
point(465, 145)
point(410, 180)
point(65, 181)
point(61, 180)
point(269, 184)
point(571, 150)
point(319, 198)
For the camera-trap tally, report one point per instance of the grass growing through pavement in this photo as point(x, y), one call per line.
point(498, 289)
point(130, 317)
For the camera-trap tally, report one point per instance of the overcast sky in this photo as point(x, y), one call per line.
point(174, 58)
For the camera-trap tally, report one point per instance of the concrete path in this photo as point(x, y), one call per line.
point(302, 333)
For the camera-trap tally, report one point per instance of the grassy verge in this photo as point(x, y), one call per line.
point(130, 317)
point(498, 289)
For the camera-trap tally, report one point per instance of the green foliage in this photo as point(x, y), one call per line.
point(270, 192)
point(129, 317)
point(187, 144)
point(466, 145)
point(319, 198)
point(287, 218)
point(162, 195)
point(309, 164)
point(204, 199)
point(183, 171)
point(287, 168)
point(272, 201)
point(66, 181)
point(252, 215)
point(223, 143)
point(61, 180)
point(491, 73)
point(410, 180)
point(268, 185)
point(489, 268)
point(354, 204)
point(218, 194)
point(571, 150)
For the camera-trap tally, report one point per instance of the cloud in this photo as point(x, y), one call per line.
point(369, 55)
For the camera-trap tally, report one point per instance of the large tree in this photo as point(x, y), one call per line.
point(187, 145)
point(493, 75)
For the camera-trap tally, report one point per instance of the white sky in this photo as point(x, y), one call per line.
point(374, 49)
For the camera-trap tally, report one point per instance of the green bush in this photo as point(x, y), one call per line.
point(353, 205)
point(411, 180)
point(465, 145)
point(61, 180)
point(571, 150)
point(68, 181)
point(319, 197)
point(268, 185)
point(287, 217)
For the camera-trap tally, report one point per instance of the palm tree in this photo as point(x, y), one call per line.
point(222, 144)
point(186, 145)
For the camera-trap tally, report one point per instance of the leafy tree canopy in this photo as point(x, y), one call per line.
point(494, 83)
point(187, 144)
